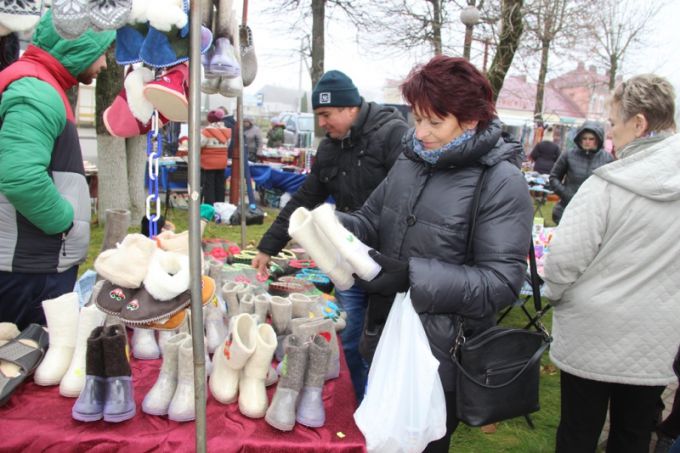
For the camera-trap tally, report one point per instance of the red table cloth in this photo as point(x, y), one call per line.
point(39, 419)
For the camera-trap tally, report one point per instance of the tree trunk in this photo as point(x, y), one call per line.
point(318, 48)
point(437, 26)
point(613, 69)
point(113, 175)
point(511, 32)
point(540, 85)
point(136, 168)
point(111, 159)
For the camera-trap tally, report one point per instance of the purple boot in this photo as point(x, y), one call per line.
point(89, 406)
point(120, 401)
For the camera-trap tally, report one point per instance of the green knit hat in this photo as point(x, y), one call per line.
point(335, 89)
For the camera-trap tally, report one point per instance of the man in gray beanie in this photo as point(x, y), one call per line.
point(363, 140)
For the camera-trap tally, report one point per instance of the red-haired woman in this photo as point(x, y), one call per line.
point(417, 219)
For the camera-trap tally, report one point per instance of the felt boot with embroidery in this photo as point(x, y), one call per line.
point(89, 406)
point(352, 249)
point(303, 229)
point(73, 381)
point(281, 412)
point(120, 399)
point(231, 357)
point(62, 325)
point(252, 398)
point(310, 411)
point(157, 401)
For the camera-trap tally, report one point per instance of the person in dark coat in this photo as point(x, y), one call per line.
point(576, 165)
point(361, 145)
point(545, 153)
point(417, 219)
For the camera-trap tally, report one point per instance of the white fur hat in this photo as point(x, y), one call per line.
point(168, 275)
point(127, 264)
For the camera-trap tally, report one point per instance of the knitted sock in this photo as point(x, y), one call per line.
point(109, 14)
point(70, 17)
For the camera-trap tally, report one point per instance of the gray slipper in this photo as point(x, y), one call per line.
point(26, 357)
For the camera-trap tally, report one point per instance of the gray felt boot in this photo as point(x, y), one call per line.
point(310, 411)
point(117, 223)
point(281, 412)
point(324, 327)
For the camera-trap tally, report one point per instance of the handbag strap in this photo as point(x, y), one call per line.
point(535, 279)
point(532, 361)
point(474, 210)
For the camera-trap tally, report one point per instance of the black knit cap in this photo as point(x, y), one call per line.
point(335, 89)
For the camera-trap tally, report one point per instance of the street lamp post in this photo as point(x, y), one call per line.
point(470, 17)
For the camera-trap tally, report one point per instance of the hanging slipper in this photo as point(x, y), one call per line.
point(109, 14)
point(248, 58)
point(19, 358)
point(20, 16)
point(70, 17)
point(130, 113)
point(231, 88)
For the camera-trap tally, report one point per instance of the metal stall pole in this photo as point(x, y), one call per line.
point(195, 224)
point(243, 160)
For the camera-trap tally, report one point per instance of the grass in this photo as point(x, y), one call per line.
point(513, 436)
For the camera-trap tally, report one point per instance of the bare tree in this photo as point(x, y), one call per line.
point(547, 21)
point(317, 12)
point(407, 25)
point(508, 42)
point(618, 25)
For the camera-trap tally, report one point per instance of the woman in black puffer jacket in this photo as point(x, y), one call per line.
point(417, 219)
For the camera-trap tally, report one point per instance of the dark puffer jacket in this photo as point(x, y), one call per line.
point(421, 213)
point(347, 169)
point(575, 166)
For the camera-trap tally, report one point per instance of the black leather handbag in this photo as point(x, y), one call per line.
point(498, 370)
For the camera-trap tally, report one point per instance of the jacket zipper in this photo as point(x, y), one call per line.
point(63, 244)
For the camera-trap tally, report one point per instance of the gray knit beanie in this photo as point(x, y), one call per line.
point(335, 89)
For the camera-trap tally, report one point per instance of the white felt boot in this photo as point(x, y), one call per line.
point(164, 336)
point(215, 329)
point(182, 407)
point(261, 307)
point(230, 295)
point(303, 229)
point(231, 357)
point(62, 325)
point(281, 308)
point(74, 379)
point(352, 249)
point(157, 401)
point(144, 345)
point(252, 398)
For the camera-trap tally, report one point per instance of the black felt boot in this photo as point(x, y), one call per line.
point(120, 402)
point(89, 406)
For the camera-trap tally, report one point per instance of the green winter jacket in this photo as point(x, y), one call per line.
point(41, 171)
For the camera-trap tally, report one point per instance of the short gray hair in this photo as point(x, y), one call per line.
point(648, 94)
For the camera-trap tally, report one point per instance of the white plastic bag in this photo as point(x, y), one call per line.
point(403, 408)
point(223, 211)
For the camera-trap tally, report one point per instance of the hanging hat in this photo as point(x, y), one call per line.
point(110, 14)
point(20, 16)
point(335, 89)
point(165, 49)
point(129, 40)
point(70, 17)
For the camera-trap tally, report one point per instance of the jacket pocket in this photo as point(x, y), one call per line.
point(328, 174)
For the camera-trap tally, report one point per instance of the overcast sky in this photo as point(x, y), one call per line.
point(278, 63)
